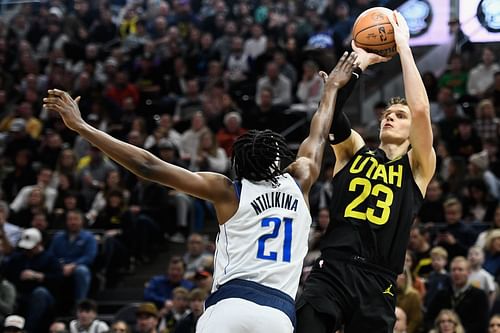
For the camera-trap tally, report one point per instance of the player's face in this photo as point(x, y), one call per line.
point(395, 124)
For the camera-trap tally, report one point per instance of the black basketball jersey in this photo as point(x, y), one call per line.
point(373, 206)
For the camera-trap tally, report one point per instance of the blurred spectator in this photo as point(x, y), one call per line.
point(93, 170)
point(163, 130)
point(147, 318)
point(266, 115)
point(479, 277)
point(159, 288)
point(187, 324)
point(495, 224)
point(188, 105)
point(209, 156)
point(256, 44)
point(487, 124)
point(478, 168)
point(470, 303)
point(401, 322)
point(431, 87)
point(86, 319)
point(408, 299)
point(279, 84)
point(7, 297)
point(190, 138)
point(438, 279)
point(75, 249)
point(58, 327)
point(196, 257)
point(176, 310)
point(121, 88)
point(204, 280)
point(120, 326)
point(480, 206)
point(491, 147)
point(238, 65)
point(13, 324)
point(494, 92)
point(421, 248)
point(22, 175)
point(432, 208)
point(417, 282)
point(44, 178)
point(456, 236)
point(285, 67)
point(35, 204)
point(310, 87)
point(231, 130)
point(11, 232)
point(455, 77)
point(36, 274)
point(494, 324)
point(447, 321)
point(481, 77)
point(465, 141)
point(492, 254)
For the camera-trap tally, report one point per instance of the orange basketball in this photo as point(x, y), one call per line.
point(373, 32)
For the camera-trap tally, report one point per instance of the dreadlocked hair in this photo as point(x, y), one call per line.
point(260, 155)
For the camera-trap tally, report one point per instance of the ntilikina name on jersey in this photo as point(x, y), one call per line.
point(274, 199)
point(389, 174)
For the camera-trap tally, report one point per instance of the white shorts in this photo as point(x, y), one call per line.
point(237, 315)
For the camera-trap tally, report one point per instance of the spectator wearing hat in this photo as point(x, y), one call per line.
point(35, 273)
point(232, 129)
point(86, 319)
point(204, 280)
point(13, 324)
point(147, 317)
point(478, 167)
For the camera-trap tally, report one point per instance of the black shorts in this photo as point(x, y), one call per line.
point(343, 293)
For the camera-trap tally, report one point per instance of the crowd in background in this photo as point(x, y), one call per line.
point(183, 79)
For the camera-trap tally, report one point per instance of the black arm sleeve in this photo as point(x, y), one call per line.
point(341, 127)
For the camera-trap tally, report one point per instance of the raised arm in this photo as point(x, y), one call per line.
point(310, 155)
point(345, 141)
point(422, 155)
point(209, 186)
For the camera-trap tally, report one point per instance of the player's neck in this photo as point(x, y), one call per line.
point(393, 150)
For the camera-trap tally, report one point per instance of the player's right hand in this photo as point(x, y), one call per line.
point(67, 107)
point(401, 30)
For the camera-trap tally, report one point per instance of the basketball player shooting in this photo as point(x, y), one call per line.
point(377, 194)
point(263, 216)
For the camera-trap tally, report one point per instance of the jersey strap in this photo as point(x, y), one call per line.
point(254, 292)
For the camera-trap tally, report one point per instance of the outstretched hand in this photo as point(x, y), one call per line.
point(67, 107)
point(366, 59)
point(401, 30)
point(341, 74)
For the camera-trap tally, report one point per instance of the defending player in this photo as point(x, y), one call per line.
point(264, 216)
point(377, 194)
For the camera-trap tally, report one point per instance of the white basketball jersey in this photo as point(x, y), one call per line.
point(266, 239)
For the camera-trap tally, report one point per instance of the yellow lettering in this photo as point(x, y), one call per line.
point(398, 174)
point(374, 165)
point(380, 172)
point(355, 168)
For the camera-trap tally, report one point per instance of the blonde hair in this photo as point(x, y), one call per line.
point(492, 235)
point(439, 251)
point(452, 314)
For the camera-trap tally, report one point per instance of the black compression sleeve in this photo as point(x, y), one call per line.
point(341, 127)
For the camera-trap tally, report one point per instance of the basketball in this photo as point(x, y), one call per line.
point(373, 32)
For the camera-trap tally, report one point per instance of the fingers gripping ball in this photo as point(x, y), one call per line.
point(373, 32)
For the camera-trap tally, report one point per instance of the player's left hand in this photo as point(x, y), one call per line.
point(366, 59)
point(401, 30)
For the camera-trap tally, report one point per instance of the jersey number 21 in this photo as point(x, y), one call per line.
point(287, 241)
